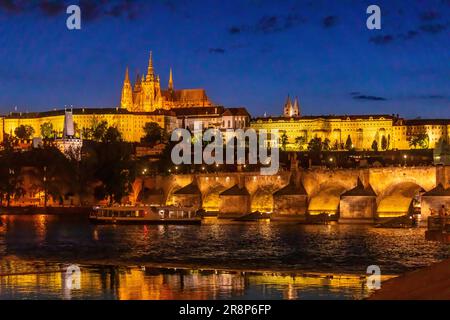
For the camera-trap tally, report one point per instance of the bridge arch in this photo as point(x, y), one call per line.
point(327, 198)
point(398, 199)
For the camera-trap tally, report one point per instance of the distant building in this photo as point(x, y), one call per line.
point(386, 132)
point(69, 144)
point(212, 117)
point(130, 124)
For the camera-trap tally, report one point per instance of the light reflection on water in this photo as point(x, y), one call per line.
point(134, 283)
point(338, 249)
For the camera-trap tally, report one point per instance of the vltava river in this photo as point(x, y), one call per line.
point(213, 261)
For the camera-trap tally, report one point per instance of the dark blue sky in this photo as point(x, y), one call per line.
point(248, 53)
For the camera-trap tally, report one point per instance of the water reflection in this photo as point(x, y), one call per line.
point(135, 283)
point(337, 249)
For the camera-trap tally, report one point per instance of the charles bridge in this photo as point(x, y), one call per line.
point(358, 195)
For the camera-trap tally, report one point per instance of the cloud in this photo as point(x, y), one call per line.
point(330, 21)
point(381, 40)
point(90, 9)
point(409, 35)
point(51, 8)
point(368, 98)
point(216, 50)
point(433, 97)
point(269, 24)
point(433, 28)
point(430, 15)
point(12, 6)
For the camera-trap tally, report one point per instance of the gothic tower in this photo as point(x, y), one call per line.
point(151, 89)
point(126, 101)
point(296, 108)
point(288, 107)
point(291, 110)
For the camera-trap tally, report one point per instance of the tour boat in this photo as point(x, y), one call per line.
point(144, 215)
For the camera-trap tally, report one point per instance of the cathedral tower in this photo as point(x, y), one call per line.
point(147, 96)
point(291, 110)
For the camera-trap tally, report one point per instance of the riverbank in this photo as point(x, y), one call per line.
point(430, 283)
point(31, 210)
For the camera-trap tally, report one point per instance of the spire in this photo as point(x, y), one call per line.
point(296, 108)
point(127, 76)
point(138, 78)
point(170, 80)
point(288, 107)
point(288, 101)
point(126, 100)
point(150, 71)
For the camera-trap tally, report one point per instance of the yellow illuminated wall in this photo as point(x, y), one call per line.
point(129, 124)
point(362, 130)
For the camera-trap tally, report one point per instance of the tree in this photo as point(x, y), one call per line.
point(112, 134)
point(421, 140)
point(153, 133)
point(11, 181)
point(24, 132)
point(300, 142)
point(349, 143)
point(284, 141)
point(384, 143)
point(326, 144)
point(99, 130)
point(315, 144)
point(375, 145)
point(114, 169)
point(47, 130)
point(335, 145)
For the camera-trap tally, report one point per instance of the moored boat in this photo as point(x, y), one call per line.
point(144, 215)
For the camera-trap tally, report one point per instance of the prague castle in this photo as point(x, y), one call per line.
point(146, 95)
point(387, 132)
point(145, 101)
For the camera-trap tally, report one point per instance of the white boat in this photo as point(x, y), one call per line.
point(144, 215)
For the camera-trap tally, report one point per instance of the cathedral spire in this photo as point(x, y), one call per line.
point(127, 76)
point(296, 108)
point(126, 101)
point(170, 80)
point(150, 71)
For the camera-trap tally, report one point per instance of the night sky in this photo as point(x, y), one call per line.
point(250, 53)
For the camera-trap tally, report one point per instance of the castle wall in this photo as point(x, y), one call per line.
point(131, 126)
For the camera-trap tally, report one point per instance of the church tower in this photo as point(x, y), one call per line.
point(291, 110)
point(288, 107)
point(296, 108)
point(151, 89)
point(126, 101)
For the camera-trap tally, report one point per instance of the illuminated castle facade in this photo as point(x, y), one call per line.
point(359, 132)
point(146, 94)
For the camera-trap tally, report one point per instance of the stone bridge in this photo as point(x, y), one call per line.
point(356, 194)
